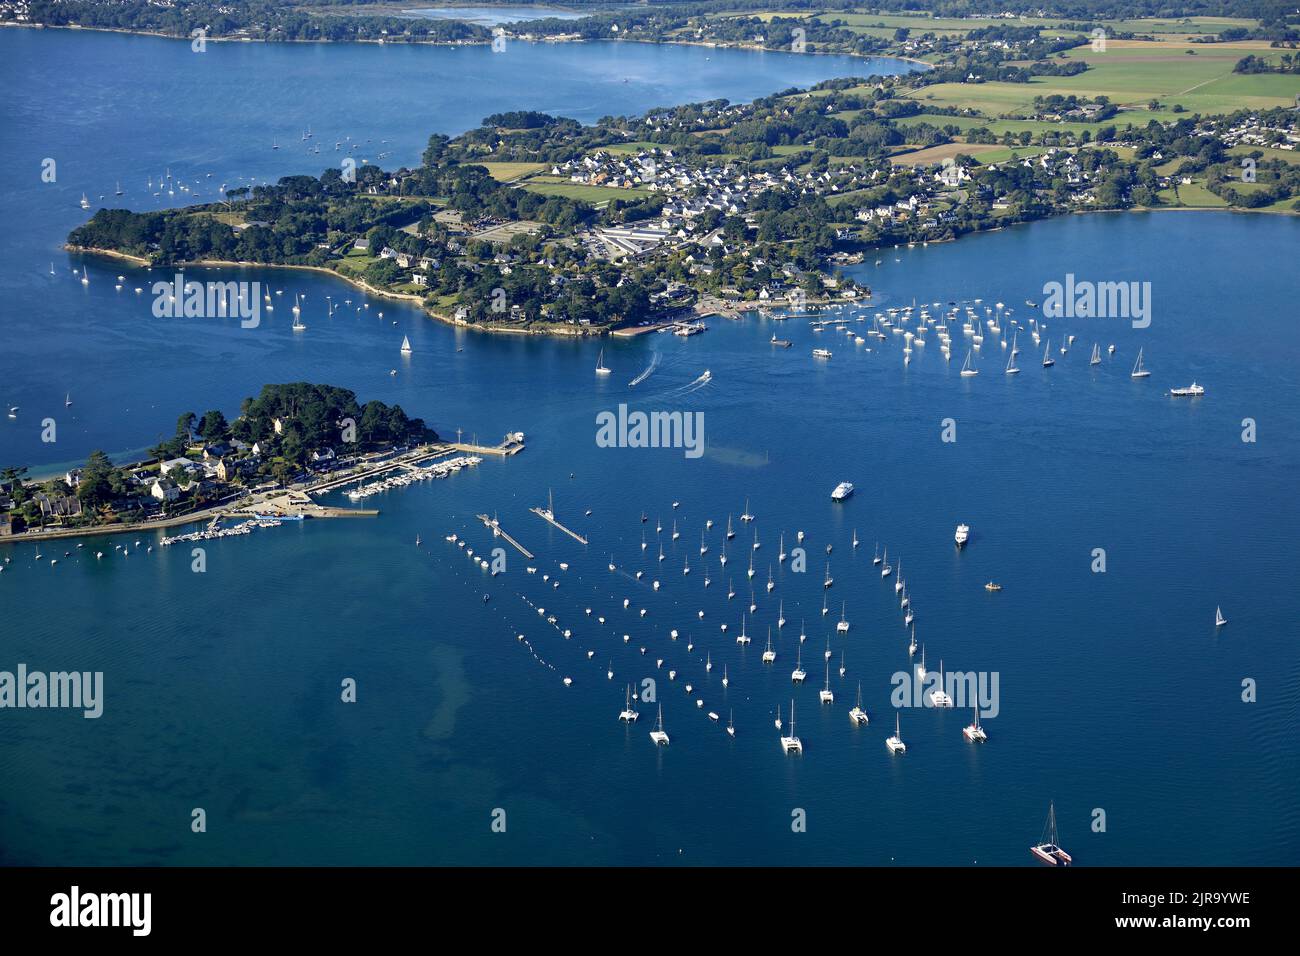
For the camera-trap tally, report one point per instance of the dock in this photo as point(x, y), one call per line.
point(494, 526)
point(549, 516)
point(512, 445)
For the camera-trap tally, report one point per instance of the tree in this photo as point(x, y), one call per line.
point(185, 426)
point(213, 425)
point(96, 485)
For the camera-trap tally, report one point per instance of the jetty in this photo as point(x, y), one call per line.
point(497, 531)
point(512, 444)
point(548, 514)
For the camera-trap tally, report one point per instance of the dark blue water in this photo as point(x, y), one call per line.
point(1116, 691)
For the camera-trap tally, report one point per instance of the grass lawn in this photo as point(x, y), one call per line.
point(592, 194)
point(509, 172)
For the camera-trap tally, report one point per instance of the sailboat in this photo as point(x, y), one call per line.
point(730, 533)
point(1048, 361)
point(857, 714)
point(780, 548)
point(842, 668)
point(1219, 619)
point(600, 364)
point(827, 695)
point(67, 400)
point(911, 647)
point(798, 674)
point(118, 192)
point(791, 744)
point(406, 345)
point(1011, 364)
point(731, 723)
point(1096, 355)
point(770, 583)
point(657, 735)
point(876, 559)
point(895, 743)
point(973, 731)
point(628, 715)
point(966, 369)
point(1138, 370)
point(704, 548)
point(85, 203)
point(769, 655)
point(746, 516)
point(829, 580)
point(843, 626)
point(777, 722)
point(742, 637)
point(1047, 851)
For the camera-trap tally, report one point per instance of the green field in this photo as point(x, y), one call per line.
point(1133, 73)
point(509, 172)
point(580, 191)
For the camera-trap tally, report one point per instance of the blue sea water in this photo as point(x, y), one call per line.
point(1117, 693)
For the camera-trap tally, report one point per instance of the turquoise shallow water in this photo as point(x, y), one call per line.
point(1116, 692)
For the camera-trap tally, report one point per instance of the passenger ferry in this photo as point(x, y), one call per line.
point(842, 491)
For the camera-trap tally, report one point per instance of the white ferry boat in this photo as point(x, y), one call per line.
point(1190, 391)
point(843, 490)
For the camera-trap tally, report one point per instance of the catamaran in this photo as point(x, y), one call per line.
point(895, 743)
point(973, 731)
point(742, 637)
point(798, 674)
point(791, 744)
point(843, 626)
point(657, 735)
point(1047, 851)
point(628, 715)
point(1138, 370)
point(769, 655)
point(827, 695)
point(857, 714)
point(939, 697)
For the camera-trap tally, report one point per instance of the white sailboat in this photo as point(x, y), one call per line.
point(769, 655)
point(657, 735)
point(406, 345)
point(857, 714)
point(1096, 355)
point(966, 370)
point(895, 743)
point(798, 674)
point(731, 723)
point(628, 715)
point(843, 626)
point(1138, 370)
point(1219, 619)
point(826, 695)
point(1048, 361)
point(790, 743)
point(600, 364)
point(973, 731)
point(1047, 850)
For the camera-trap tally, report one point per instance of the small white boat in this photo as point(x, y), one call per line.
point(790, 743)
point(628, 715)
point(962, 534)
point(1138, 370)
point(600, 364)
point(406, 345)
point(657, 735)
point(973, 731)
point(1219, 619)
point(1188, 391)
point(857, 714)
point(1047, 850)
point(826, 695)
point(895, 743)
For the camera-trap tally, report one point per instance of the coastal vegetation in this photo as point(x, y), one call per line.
point(282, 435)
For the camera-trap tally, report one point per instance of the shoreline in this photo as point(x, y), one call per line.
point(350, 280)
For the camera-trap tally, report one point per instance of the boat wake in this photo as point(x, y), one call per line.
point(649, 370)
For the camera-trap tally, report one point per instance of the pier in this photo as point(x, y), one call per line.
point(513, 444)
point(497, 531)
point(548, 514)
